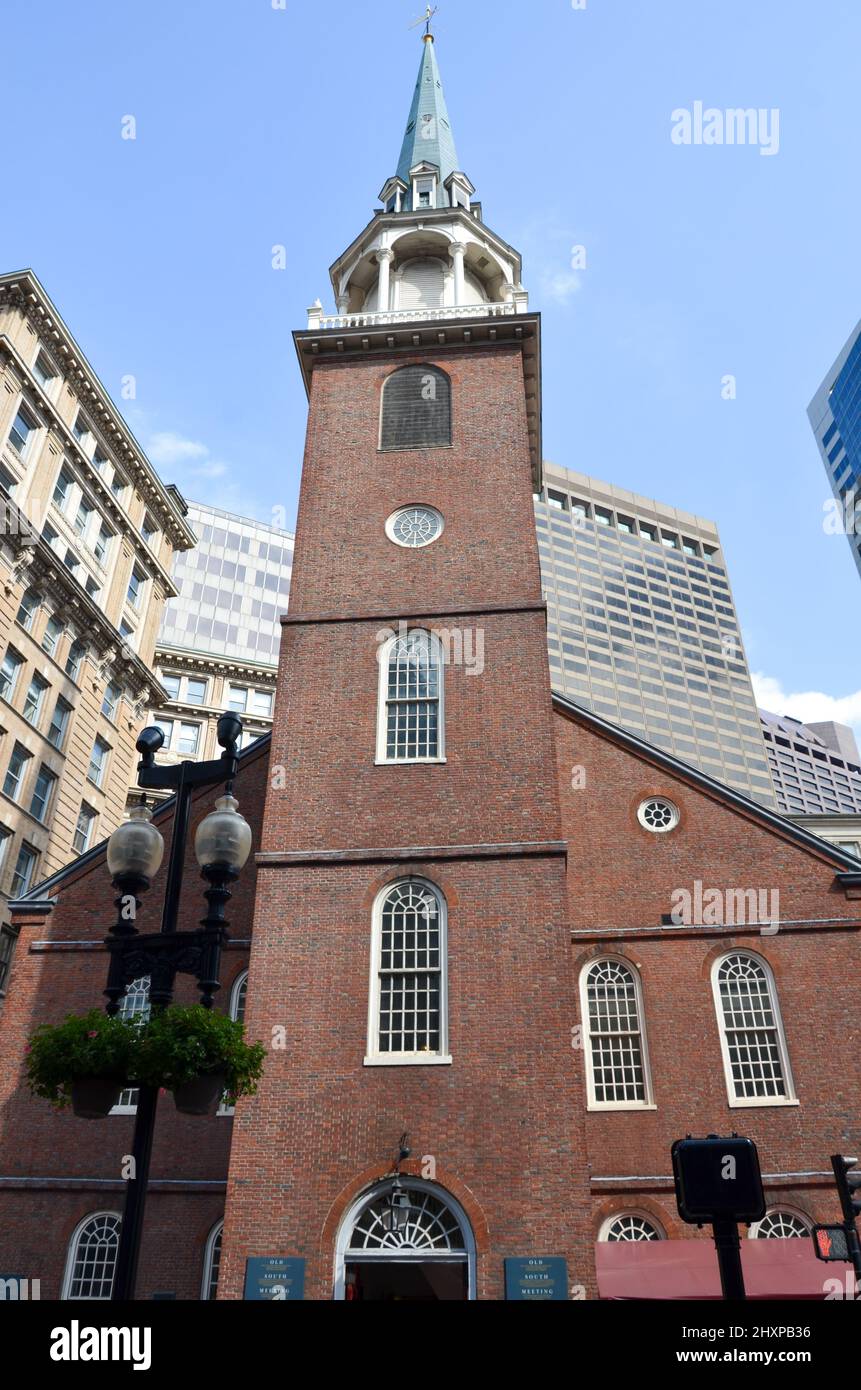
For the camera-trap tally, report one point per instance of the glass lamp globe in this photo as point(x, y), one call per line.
point(136, 847)
point(223, 837)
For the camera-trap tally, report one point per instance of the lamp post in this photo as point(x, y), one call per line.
point(222, 844)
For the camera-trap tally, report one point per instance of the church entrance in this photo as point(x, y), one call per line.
point(405, 1242)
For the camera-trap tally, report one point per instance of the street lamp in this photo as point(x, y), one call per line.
point(222, 844)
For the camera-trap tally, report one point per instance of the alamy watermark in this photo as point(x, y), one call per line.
point(726, 907)
point(709, 125)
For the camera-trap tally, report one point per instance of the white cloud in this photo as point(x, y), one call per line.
point(167, 448)
point(809, 705)
point(559, 287)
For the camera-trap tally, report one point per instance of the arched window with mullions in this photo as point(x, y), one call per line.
point(236, 1011)
point(753, 1045)
point(212, 1263)
point(92, 1257)
point(408, 1009)
point(617, 1065)
point(416, 409)
point(410, 724)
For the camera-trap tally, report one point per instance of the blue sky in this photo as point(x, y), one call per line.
point(258, 126)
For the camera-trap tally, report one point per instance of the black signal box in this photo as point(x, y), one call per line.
point(717, 1180)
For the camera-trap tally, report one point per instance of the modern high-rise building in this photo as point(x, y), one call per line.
point(218, 645)
point(642, 627)
point(88, 533)
point(835, 414)
point(816, 768)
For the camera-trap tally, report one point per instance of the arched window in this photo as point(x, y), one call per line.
point(211, 1263)
point(617, 1069)
point(410, 723)
point(751, 1033)
point(780, 1224)
point(236, 1010)
point(135, 1004)
point(92, 1257)
point(422, 1246)
point(416, 409)
point(631, 1225)
point(407, 1017)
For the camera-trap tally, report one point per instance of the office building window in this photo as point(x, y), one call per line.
point(43, 791)
point(84, 828)
point(22, 431)
point(9, 671)
point(35, 699)
point(98, 762)
point(59, 722)
point(111, 700)
point(25, 871)
point(16, 771)
point(54, 630)
point(75, 659)
point(28, 608)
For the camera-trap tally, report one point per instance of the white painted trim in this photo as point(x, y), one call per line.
point(383, 656)
point(373, 1057)
point(781, 1209)
point(752, 1102)
point(592, 1104)
point(370, 1194)
point(207, 1260)
point(72, 1250)
point(639, 1215)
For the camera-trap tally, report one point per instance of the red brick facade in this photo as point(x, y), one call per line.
point(529, 830)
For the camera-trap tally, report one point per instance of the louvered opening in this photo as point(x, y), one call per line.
point(416, 409)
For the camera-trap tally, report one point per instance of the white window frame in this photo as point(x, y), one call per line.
point(344, 1252)
point(217, 1230)
point(752, 1102)
point(648, 1102)
point(638, 1215)
point(72, 1253)
point(92, 817)
point(373, 1056)
point(781, 1209)
point(135, 992)
point(240, 983)
point(383, 658)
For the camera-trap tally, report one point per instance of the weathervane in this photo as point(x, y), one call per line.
point(425, 19)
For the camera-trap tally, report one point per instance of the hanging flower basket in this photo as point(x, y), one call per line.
point(86, 1060)
point(94, 1097)
point(199, 1055)
point(198, 1097)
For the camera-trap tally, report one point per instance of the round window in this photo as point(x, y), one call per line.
point(415, 527)
point(658, 814)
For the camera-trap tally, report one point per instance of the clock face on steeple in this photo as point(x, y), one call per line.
point(414, 527)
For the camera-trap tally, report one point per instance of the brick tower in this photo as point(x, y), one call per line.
point(410, 957)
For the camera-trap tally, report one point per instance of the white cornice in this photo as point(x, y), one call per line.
point(24, 289)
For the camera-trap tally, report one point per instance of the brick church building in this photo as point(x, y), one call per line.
point(477, 914)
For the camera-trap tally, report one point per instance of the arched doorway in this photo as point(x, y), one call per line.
point(420, 1252)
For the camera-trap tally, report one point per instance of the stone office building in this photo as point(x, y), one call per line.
point(89, 533)
point(220, 635)
point(456, 925)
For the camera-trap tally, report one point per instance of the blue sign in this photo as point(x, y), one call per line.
point(275, 1278)
point(536, 1280)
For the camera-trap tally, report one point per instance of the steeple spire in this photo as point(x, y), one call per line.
point(428, 139)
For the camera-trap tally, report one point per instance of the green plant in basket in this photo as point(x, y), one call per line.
point(86, 1060)
point(199, 1055)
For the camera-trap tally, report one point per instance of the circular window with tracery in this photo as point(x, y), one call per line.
point(631, 1227)
point(658, 815)
point(414, 527)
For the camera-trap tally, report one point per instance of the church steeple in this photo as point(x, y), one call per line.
point(427, 254)
point(428, 145)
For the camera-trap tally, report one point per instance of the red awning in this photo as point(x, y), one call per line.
point(688, 1269)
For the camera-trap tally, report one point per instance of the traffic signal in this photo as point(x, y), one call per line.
point(847, 1183)
point(717, 1180)
point(831, 1243)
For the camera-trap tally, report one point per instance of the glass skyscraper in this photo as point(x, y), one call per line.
point(835, 414)
point(232, 588)
point(642, 627)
